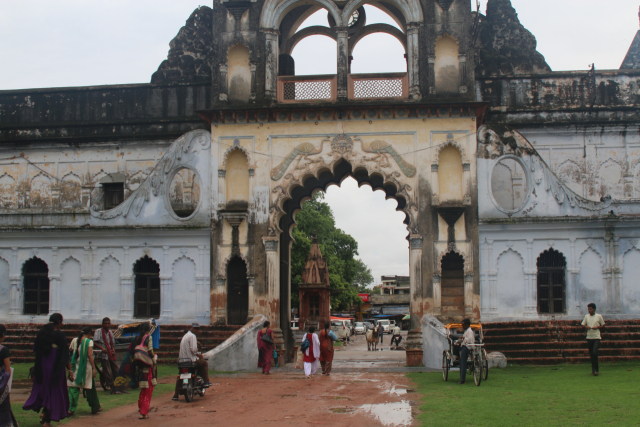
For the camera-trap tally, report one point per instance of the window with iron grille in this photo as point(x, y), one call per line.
point(112, 194)
point(314, 305)
point(147, 288)
point(551, 282)
point(35, 273)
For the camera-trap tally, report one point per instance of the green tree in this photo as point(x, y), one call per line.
point(363, 277)
point(346, 273)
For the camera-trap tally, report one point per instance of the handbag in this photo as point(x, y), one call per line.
point(305, 344)
point(267, 338)
point(141, 355)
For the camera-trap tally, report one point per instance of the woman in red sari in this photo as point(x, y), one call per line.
point(326, 348)
point(265, 348)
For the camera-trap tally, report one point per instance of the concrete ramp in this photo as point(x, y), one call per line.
point(240, 351)
point(434, 342)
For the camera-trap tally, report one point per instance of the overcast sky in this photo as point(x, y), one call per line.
point(46, 43)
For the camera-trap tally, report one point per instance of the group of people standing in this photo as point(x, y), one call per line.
point(317, 349)
point(63, 372)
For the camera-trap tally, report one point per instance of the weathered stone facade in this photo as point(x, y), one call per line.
point(176, 199)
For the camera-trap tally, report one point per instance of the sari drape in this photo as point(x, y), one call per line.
point(6, 415)
point(265, 352)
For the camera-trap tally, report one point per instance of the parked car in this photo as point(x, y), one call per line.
point(385, 325)
point(342, 329)
point(360, 328)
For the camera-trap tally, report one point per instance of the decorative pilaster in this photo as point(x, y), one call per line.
point(343, 62)
point(221, 298)
point(616, 288)
point(271, 310)
point(414, 338)
point(224, 85)
point(530, 304)
point(462, 61)
point(166, 286)
point(493, 276)
point(85, 280)
point(202, 297)
point(413, 60)
point(437, 294)
point(271, 72)
point(468, 295)
point(466, 182)
point(432, 75)
point(252, 69)
point(435, 200)
point(14, 279)
point(252, 301)
point(126, 287)
point(54, 283)
point(94, 289)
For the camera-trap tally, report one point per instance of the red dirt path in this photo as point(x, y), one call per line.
point(281, 399)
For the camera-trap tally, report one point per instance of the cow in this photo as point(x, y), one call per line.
point(372, 339)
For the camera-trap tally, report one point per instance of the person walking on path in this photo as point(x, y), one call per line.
point(593, 323)
point(84, 372)
point(467, 338)
point(6, 415)
point(146, 368)
point(104, 340)
point(326, 338)
point(49, 391)
point(380, 331)
point(312, 353)
point(265, 348)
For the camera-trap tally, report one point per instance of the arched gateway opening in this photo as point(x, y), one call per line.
point(238, 285)
point(321, 181)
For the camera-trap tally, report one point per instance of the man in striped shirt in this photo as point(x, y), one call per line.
point(189, 351)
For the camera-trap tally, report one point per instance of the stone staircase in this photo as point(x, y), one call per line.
point(21, 336)
point(561, 341)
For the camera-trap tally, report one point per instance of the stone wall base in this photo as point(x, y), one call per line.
point(414, 358)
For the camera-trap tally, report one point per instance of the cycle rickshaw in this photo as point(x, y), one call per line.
point(477, 364)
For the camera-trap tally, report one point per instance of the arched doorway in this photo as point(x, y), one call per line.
point(452, 284)
point(237, 292)
point(35, 273)
point(147, 288)
point(551, 282)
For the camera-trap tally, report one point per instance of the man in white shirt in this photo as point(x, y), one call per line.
point(593, 323)
point(467, 338)
point(189, 351)
point(396, 336)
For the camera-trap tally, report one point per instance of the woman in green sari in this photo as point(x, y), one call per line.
point(84, 372)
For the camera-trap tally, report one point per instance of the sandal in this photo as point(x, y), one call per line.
point(95, 412)
point(143, 417)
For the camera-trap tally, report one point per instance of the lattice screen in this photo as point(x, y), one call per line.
point(307, 90)
point(387, 88)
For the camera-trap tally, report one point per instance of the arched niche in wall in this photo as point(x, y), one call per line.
point(184, 193)
point(447, 66)
point(509, 184)
point(450, 174)
point(239, 74)
point(237, 180)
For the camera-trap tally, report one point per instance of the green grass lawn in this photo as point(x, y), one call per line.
point(563, 395)
point(108, 401)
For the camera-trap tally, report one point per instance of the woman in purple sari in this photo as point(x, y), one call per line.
point(6, 416)
point(49, 391)
point(265, 348)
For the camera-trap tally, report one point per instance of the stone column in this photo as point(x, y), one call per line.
point(94, 289)
point(271, 71)
point(85, 308)
point(466, 182)
point(432, 75)
point(468, 295)
point(435, 199)
point(15, 279)
point(221, 297)
point(413, 60)
point(437, 294)
point(252, 301)
point(343, 62)
point(272, 306)
point(414, 337)
point(126, 287)
point(530, 304)
point(252, 69)
point(224, 86)
point(462, 61)
point(493, 308)
point(54, 283)
point(615, 292)
point(201, 286)
point(166, 286)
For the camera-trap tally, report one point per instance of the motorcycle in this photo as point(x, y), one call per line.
point(192, 383)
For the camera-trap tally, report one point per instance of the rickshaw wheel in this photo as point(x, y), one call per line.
point(445, 366)
point(477, 369)
point(485, 365)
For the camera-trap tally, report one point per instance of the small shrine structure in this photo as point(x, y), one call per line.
point(315, 290)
